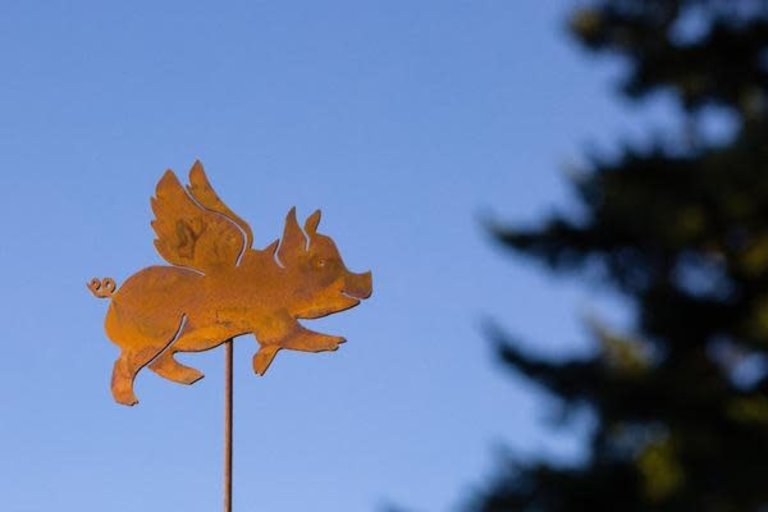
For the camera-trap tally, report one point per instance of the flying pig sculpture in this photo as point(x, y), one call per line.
point(219, 287)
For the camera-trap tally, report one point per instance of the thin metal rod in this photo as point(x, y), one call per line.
point(228, 426)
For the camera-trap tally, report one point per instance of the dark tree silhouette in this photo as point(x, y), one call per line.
point(680, 227)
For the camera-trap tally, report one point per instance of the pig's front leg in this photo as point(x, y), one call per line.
point(310, 341)
point(286, 332)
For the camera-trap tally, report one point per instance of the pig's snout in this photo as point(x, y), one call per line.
point(359, 286)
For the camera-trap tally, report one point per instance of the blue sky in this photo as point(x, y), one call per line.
point(406, 122)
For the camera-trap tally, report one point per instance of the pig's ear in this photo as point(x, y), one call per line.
point(294, 242)
point(310, 225)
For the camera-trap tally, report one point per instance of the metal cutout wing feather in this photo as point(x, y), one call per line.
point(190, 235)
point(203, 192)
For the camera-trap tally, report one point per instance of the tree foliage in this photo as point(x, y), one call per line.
point(681, 229)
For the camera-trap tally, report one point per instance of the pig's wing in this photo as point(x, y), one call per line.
point(192, 233)
point(203, 192)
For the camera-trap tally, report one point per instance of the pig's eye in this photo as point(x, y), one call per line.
point(320, 263)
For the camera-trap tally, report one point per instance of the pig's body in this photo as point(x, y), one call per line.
point(162, 310)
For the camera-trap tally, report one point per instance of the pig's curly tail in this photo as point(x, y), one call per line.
point(102, 288)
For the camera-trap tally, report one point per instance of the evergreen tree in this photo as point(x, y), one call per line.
point(680, 228)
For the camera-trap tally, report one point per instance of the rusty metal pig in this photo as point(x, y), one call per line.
point(218, 287)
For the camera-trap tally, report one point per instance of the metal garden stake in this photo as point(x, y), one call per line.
point(217, 287)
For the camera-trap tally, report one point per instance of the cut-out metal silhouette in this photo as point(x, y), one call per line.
point(219, 287)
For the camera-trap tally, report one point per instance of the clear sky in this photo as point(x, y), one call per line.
point(405, 121)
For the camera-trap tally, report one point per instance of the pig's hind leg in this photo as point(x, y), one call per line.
point(138, 350)
point(168, 367)
point(124, 373)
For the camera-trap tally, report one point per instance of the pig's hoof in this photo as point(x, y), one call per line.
point(167, 367)
point(263, 359)
point(191, 377)
point(125, 398)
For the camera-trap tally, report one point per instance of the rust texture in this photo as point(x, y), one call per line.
point(218, 287)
